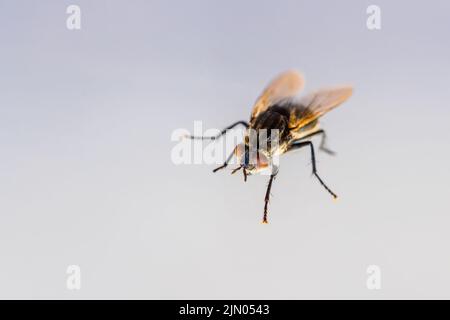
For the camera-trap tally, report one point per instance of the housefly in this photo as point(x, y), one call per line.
point(295, 121)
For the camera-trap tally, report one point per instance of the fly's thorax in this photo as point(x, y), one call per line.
point(270, 129)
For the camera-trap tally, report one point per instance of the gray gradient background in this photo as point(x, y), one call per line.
point(87, 179)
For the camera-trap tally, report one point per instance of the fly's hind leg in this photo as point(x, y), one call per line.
point(322, 145)
point(298, 145)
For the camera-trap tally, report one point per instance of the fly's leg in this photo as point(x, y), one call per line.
point(225, 164)
point(269, 186)
point(266, 199)
point(299, 145)
point(243, 123)
point(322, 142)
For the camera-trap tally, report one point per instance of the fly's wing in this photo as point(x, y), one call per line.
point(285, 86)
point(312, 106)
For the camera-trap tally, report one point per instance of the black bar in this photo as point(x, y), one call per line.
point(228, 309)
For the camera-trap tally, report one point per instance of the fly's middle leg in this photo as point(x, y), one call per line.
point(299, 145)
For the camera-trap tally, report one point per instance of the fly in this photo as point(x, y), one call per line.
point(295, 121)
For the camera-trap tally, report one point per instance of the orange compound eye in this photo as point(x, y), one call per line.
point(262, 161)
point(239, 150)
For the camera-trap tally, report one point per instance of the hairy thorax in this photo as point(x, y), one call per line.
point(270, 130)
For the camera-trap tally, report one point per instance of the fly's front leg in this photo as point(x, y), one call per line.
point(267, 197)
point(243, 123)
point(225, 164)
point(299, 145)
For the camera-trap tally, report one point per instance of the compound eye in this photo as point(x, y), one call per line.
point(239, 151)
point(262, 161)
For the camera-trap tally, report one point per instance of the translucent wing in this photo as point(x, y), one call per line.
point(286, 85)
point(312, 106)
